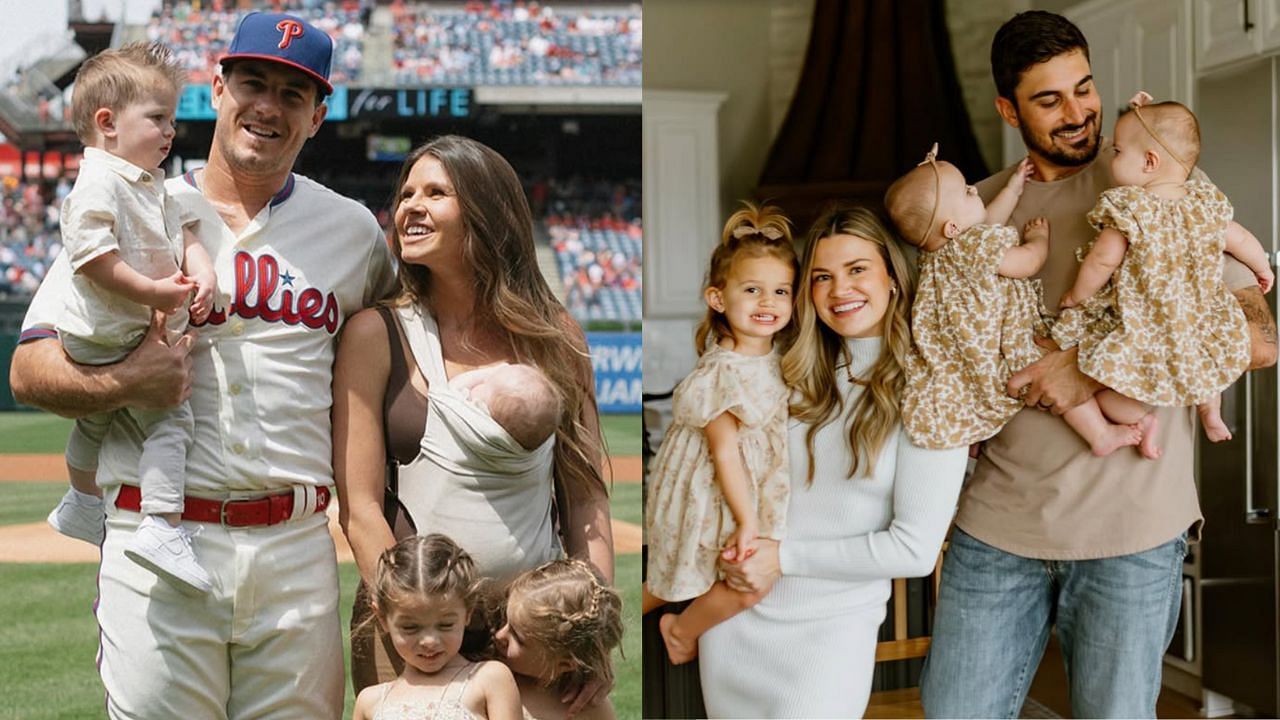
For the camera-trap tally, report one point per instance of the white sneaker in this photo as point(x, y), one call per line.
point(80, 516)
point(166, 551)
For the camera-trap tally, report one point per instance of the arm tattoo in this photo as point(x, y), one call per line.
point(1262, 326)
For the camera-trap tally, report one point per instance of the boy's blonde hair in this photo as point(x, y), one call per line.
point(116, 78)
point(751, 232)
point(566, 608)
point(910, 203)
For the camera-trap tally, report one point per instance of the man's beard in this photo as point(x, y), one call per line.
point(1069, 156)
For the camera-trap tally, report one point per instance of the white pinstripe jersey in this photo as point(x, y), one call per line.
point(263, 360)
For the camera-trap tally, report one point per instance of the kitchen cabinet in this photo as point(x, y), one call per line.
point(1226, 31)
point(1141, 45)
point(1233, 31)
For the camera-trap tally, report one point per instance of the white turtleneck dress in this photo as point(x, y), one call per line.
point(808, 648)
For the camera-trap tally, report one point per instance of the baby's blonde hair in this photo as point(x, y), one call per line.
point(565, 607)
point(117, 78)
point(910, 203)
point(751, 232)
point(1176, 127)
point(525, 403)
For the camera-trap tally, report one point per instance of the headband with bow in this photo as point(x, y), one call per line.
point(1139, 99)
point(931, 159)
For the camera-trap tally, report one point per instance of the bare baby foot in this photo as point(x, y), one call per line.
point(678, 650)
point(1214, 427)
point(1114, 438)
point(1150, 427)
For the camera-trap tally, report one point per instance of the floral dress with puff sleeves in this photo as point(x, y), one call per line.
point(1178, 337)
point(687, 520)
point(971, 329)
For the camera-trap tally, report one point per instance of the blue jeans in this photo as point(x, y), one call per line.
point(1115, 618)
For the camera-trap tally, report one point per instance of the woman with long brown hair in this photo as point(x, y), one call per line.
point(472, 298)
point(865, 506)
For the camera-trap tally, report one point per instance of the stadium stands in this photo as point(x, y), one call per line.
point(29, 236)
point(599, 261)
point(199, 36)
point(472, 44)
point(515, 43)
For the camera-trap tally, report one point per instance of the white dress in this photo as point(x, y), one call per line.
point(687, 520)
point(808, 648)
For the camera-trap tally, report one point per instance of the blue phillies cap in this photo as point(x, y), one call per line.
point(284, 39)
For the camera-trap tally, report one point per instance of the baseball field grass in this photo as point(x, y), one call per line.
point(48, 642)
point(36, 432)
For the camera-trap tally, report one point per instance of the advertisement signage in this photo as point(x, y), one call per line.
point(615, 357)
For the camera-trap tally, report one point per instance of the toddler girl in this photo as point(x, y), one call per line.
point(1149, 311)
point(977, 311)
point(720, 478)
point(424, 592)
point(562, 624)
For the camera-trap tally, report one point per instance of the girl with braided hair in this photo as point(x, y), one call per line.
point(719, 480)
point(423, 595)
point(562, 624)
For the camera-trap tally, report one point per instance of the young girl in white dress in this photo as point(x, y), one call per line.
point(562, 624)
point(719, 480)
point(1149, 311)
point(424, 593)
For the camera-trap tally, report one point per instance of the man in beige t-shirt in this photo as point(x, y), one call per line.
point(1046, 532)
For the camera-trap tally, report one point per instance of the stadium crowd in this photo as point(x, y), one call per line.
point(198, 32)
point(501, 42)
point(595, 230)
point(515, 43)
point(29, 236)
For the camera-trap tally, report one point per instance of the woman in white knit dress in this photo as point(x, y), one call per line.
point(866, 505)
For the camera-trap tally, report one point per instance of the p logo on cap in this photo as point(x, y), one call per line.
point(290, 29)
point(277, 37)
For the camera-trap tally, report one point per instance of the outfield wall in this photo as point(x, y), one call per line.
point(11, 313)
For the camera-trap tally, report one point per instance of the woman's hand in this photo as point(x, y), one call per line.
point(755, 573)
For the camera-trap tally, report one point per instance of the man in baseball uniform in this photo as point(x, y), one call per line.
point(294, 260)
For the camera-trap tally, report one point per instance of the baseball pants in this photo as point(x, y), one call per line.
point(264, 644)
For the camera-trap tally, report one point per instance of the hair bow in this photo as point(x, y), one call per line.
point(930, 157)
point(768, 231)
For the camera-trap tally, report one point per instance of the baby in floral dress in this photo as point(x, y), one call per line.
point(977, 311)
point(719, 480)
point(1149, 310)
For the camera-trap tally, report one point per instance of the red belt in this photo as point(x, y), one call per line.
point(268, 510)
